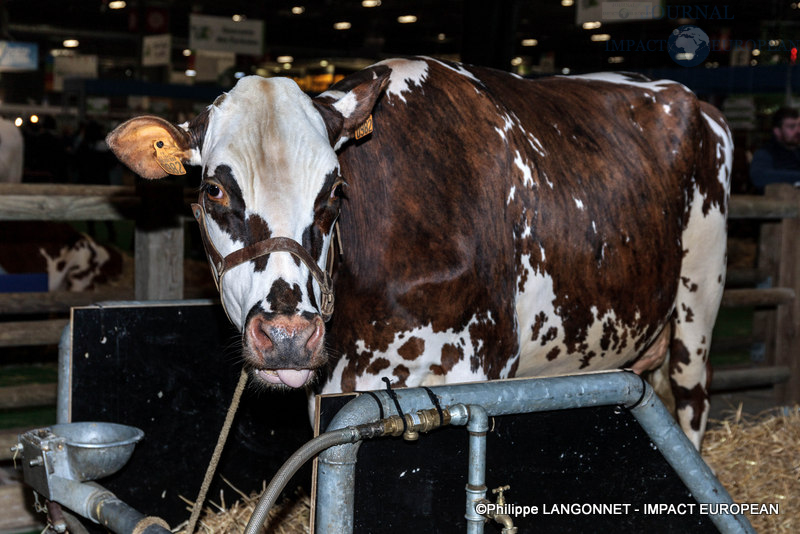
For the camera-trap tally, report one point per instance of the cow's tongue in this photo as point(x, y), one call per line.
point(294, 377)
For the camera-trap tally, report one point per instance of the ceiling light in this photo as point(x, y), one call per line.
point(530, 42)
point(591, 25)
point(324, 63)
point(34, 119)
point(600, 37)
point(287, 66)
point(565, 70)
point(756, 52)
point(370, 3)
point(239, 75)
point(117, 4)
point(18, 122)
point(190, 72)
point(441, 37)
point(407, 19)
point(284, 59)
point(238, 18)
point(71, 43)
point(298, 10)
point(187, 52)
point(566, 3)
point(516, 61)
point(344, 25)
point(616, 59)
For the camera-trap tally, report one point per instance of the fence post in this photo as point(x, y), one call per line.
point(158, 252)
point(787, 321)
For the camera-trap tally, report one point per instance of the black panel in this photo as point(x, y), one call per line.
point(171, 371)
point(585, 456)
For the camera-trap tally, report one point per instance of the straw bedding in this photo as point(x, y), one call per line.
point(757, 458)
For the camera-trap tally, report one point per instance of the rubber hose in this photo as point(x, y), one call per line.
point(291, 466)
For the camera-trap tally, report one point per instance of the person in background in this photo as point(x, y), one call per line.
point(778, 161)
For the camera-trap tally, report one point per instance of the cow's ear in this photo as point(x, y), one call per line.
point(151, 146)
point(346, 109)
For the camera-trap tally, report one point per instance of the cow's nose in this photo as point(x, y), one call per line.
point(286, 340)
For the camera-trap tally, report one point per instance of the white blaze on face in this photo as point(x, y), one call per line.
point(269, 134)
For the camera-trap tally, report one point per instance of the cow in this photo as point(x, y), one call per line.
point(484, 226)
point(72, 260)
point(12, 146)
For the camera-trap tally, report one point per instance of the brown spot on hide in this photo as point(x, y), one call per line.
point(377, 365)
point(412, 349)
point(401, 372)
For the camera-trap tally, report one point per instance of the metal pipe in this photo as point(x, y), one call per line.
point(64, 375)
point(290, 467)
point(477, 427)
point(93, 501)
point(336, 469)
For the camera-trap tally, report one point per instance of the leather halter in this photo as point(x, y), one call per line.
point(221, 265)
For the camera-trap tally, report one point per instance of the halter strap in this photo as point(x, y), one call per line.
point(221, 265)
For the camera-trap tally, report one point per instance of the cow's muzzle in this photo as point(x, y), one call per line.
point(285, 349)
point(221, 265)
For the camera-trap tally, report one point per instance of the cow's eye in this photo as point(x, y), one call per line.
point(214, 192)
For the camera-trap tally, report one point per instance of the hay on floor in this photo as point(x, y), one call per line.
point(757, 459)
point(291, 516)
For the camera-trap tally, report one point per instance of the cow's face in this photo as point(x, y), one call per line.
point(269, 170)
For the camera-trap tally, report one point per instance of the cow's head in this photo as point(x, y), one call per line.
point(269, 170)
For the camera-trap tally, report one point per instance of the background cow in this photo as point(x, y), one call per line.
point(491, 226)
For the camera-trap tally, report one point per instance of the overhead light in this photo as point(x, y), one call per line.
point(324, 63)
point(238, 18)
point(756, 52)
point(407, 19)
point(530, 42)
point(370, 3)
point(117, 4)
point(566, 3)
point(344, 25)
point(616, 59)
point(516, 61)
point(239, 75)
point(18, 122)
point(187, 52)
point(441, 37)
point(71, 43)
point(591, 25)
point(190, 73)
point(284, 59)
point(600, 37)
point(34, 119)
point(298, 10)
point(287, 66)
point(565, 70)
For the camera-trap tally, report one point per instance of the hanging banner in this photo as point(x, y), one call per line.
point(156, 50)
point(15, 56)
point(222, 34)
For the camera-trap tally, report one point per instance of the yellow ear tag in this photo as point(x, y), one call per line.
point(364, 129)
point(169, 162)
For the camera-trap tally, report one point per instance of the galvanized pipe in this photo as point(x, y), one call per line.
point(477, 427)
point(93, 501)
point(336, 474)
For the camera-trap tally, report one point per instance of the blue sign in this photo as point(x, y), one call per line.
point(18, 56)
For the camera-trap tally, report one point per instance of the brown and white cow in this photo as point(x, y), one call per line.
point(491, 226)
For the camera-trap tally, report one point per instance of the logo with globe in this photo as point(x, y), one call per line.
point(688, 46)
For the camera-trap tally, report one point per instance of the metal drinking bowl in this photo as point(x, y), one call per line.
point(97, 450)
